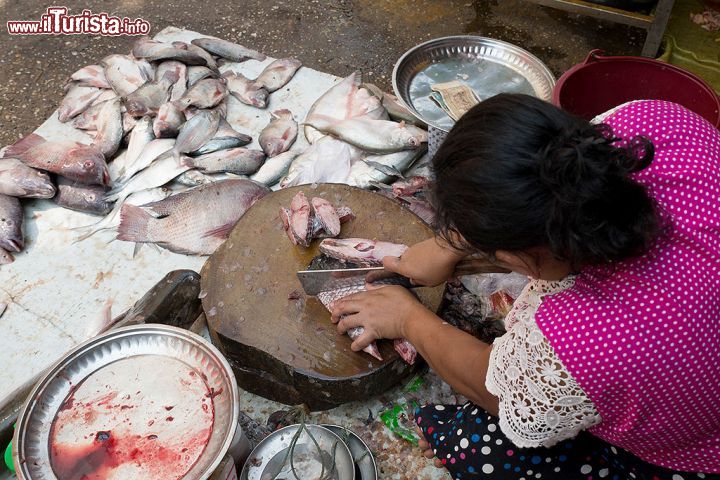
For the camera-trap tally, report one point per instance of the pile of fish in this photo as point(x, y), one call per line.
point(306, 221)
point(156, 123)
point(366, 253)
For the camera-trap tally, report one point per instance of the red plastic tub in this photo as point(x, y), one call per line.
point(601, 83)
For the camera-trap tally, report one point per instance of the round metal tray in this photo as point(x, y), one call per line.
point(136, 360)
point(488, 66)
point(365, 466)
point(267, 459)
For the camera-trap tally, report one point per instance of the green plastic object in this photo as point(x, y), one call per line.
point(398, 420)
point(8, 458)
point(415, 384)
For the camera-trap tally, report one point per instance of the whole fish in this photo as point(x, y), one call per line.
point(124, 74)
point(195, 74)
point(366, 173)
point(82, 198)
point(147, 99)
point(154, 150)
point(241, 161)
point(228, 50)
point(280, 134)
point(90, 76)
point(196, 132)
point(179, 70)
point(278, 74)
point(77, 100)
point(225, 137)
point(343, 100)
point(204, 94)
point(195, 222)
point(157, 174)
point(72, 160)
point(168, 121)
point(245, 90)
point(5, 258)
point(377, 136)
point(327, 160)
point(19, 180)
point(112, 219)
point(201, 52)
point(11, 220)
point(109, 125)
point(274, 168)
point(152, 50)
point(139, 138)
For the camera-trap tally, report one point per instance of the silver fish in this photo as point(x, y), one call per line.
point(168, 121)
point(399, 112)
point(195, 222)
point(195, 74)
point(225, 137)
point(5, 259)
point(11, 222)
point(109, 128)
point(327, 160)
point(241, 161)
point(204, 94)
point(112, 219)
point(147, 99)
point(274, 168)
point(381, 168)
point(246, 90)
point(280, 134)
point(125, 74)
point(153, 151)
point(377, 136)
point(180, 71)
point(90, 76)
point(152, 50)
point(156, 175)
point(194, 178)
point(19, 180)
point(228, 50)
point(201, 52)
point(196, 132)
point(72, 160)
point(77, 100)
point(82, 198)
point(343, 100)
point(139, 138)
point(278, 74)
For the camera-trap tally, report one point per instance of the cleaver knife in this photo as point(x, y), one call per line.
point(318, 281)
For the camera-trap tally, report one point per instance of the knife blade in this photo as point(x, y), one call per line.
point(317, 281)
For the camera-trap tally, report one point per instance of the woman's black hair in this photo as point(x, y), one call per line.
point(516, 172)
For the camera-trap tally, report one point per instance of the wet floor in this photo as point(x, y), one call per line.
point(335, 36)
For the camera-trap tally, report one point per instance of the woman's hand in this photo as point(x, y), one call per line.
point(430, 262)
point(383, 311)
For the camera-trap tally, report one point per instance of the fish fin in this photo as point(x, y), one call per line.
point(372, 349)
point(222, 231)
point(134, 224)
point(136, 249)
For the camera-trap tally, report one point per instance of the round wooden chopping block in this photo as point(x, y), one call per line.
point(287, 349)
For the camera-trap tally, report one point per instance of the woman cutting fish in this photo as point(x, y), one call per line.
point(611, 360)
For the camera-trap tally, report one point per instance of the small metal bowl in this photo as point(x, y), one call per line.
point(135, 359)
point(365, 466)
point(488, 66)
point(268, 458)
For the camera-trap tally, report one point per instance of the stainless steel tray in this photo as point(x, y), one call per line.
point(271, 454)
point(365, 466)
point(140, 360)
point(488, 66)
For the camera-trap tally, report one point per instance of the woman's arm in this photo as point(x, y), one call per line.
point(459, 358)
point(430, 262)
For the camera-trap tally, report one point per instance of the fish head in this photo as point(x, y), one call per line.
point(258, 97)
point(136, 108)
point(90, 165)
point(11, 237)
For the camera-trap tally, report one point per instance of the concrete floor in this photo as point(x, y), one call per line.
point(335, 36)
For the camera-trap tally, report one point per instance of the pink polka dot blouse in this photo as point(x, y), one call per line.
point(642, 337)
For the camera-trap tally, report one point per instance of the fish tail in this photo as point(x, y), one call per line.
point(134, 224)
point(372, 349)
